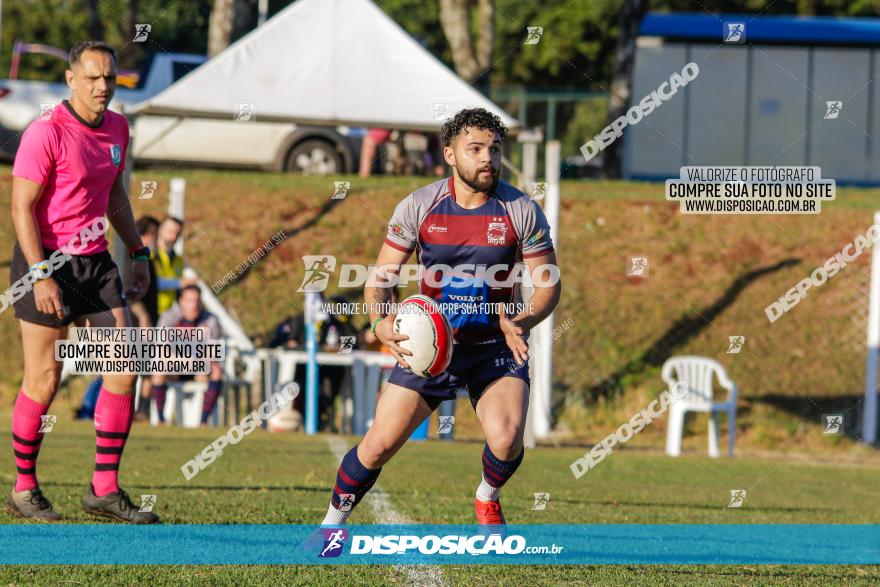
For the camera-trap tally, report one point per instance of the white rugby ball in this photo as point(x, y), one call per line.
point(285, 420)
point(429, 332)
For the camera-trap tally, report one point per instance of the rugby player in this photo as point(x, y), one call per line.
point(67, 175)
point(469, 218)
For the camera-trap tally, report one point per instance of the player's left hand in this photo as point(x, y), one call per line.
point(514, 336)
point(140, 280)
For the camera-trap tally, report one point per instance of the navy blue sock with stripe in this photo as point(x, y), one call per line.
point(353, 481)
point(496, 472)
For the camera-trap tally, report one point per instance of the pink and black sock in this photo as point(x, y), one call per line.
point(113, 415)
point(26, 439)
point(159, 393)
point(354, 479)
point(495, 471)
point(211, 395)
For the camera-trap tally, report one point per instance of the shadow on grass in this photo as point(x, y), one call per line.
point(322, 489)
point(325, 209)
point(812, 409)
point(683, 330)
point(689, 506)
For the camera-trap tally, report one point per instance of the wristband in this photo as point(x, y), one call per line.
point(40, 269)
point(373, 326)
point(141, 254)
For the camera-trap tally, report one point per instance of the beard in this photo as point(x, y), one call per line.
point(480, 184)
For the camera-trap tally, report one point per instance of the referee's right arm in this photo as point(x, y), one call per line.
point(25, 194)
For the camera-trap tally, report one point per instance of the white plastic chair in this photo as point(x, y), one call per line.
point(697, 373)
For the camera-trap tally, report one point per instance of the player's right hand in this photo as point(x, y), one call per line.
point(385, 333)
point(47, 296)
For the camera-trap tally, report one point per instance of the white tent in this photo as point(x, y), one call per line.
point(336, 62)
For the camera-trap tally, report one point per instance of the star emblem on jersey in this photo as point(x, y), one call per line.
point(497, 232)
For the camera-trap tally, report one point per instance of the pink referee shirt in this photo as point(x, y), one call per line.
point(77, 165)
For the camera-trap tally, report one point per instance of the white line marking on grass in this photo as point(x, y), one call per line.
point(380, 504)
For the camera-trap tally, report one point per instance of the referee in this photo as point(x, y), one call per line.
point(67, 177)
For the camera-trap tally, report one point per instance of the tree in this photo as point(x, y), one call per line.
point(631, 14)
point(96, 27)
point(455, 16)
point(230, 19)
point(220, 27)
point(129, 52)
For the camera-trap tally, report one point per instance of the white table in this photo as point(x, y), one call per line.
point(278, 367)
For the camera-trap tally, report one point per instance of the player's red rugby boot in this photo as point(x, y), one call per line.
point(489, 513)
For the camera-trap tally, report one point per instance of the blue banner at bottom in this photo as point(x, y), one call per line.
point(796, 544)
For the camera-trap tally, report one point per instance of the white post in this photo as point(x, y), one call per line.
point(869, 425)
point(176, 207)
point(529, 432)
point(230, 326)
point(530, 158)
point(542, 384)
point(262, 11)
point(530, 140)
point(551, 203)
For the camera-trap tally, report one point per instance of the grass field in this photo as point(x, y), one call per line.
point(710, 277)
point(272, 479)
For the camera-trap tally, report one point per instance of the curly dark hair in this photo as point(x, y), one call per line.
point(471, 117)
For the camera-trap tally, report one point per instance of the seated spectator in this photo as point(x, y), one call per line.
point(334, 332)
point(189, 313)
point(336, 326)
point(290, 333)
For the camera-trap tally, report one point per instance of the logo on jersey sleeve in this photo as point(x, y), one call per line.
point(397, 229)
point(116, 154)
point(535, 238)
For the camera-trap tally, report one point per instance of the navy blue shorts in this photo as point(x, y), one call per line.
point(473, 367)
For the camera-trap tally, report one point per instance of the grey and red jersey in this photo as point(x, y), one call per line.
point(508, 228)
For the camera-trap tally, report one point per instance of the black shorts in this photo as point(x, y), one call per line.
point(473, 367)
point(89, 284)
